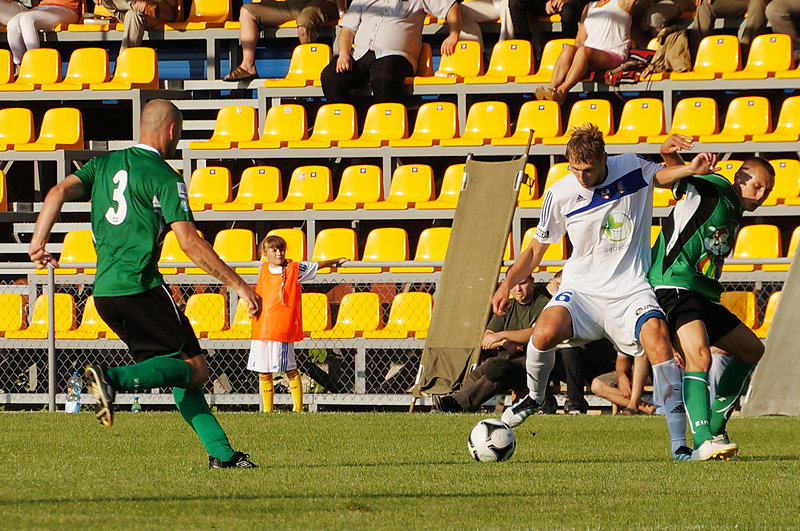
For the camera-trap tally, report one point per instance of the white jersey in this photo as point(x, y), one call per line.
point(608, 226)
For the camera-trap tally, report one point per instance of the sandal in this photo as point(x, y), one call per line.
point(239, 74)
point(628, 411)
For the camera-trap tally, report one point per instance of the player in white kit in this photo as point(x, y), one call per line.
point(605, 206)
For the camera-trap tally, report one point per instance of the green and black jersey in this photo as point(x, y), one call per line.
point(135, 195)
point(697, 236)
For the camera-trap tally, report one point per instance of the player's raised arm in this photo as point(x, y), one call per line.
point(523, 266)
point(69, 189)
point(202, 254)
point(702, 164)
point(669, 149)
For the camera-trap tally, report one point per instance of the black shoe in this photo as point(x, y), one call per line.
point(574, 410)
point(95, 379)
point(550, 406)
point(239, 460)
point(445, 404)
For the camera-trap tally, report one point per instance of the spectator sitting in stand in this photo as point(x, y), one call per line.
point(581, 365)
point(602, 43)
point(784, 16)
point(475, 12)
point(140, 15)
point(22, 30)
point(570, 11)
point(709, 10)
point(311, 15)
point(624, 386)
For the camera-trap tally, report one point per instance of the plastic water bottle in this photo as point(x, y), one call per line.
point(136, 407)
point(74, 388)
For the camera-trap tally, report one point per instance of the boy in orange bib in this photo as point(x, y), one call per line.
point(280, 323)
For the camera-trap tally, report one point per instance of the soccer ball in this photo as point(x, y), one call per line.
point(491, 440)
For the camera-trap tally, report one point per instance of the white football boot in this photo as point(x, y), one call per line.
point(518, 412)
point(715, 449)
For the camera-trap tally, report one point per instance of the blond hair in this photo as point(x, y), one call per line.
point(586, 144)
point(276, 242)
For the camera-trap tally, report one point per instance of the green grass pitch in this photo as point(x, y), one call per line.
point(388, 471)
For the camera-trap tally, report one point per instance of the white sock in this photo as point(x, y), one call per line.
point(538, 364)
point(668, 386)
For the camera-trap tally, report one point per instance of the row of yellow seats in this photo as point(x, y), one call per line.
point(489, 122)
point(62, 128)
point(88, 68)
point(359, 315)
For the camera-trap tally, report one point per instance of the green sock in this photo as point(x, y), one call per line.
point(696, 399)
point(729, 389)
point(160, 371)
point(194, 409)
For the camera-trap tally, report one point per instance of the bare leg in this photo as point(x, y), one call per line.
point(200, 370)
point(586, 60)
point(248, 37)
point(562, 66)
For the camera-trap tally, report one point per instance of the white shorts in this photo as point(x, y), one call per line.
point(618, 319)
point(271, 356)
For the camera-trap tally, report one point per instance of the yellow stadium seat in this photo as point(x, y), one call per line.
point(204, 14)
point(692, 117)
point(790, 254)
point(728, 168)
point(12, 312)
point(333, 243)
point(259, 186)
point(769, 53)
point(109, 22)
point(593, 111)
point(794, 73)
point(747, 116)
point(235, 123)
point(305, 66)
point(92, 325)
point(436, 120)
point(358, 313)
point(78, 248)
point(295, 243)
point(37, 329)
point(556, 251)
point(742, 304)
point(451, 188)
point(529, 190)
point(62, 128)
point(655, 230)
point(334, 122)
point(6, 67)
point(236, 245)
point(485, 120)
point(209, 185)
point(431, 247)
point(410, 312)
point(384, 244)
point(361, 183)
point(38, 66)
point(136, 68)
point(86, 66)
point(240, 327)
point(384, 122)
point(411, 184)
point(787, 183)
point(465, 61)
point(556, 172)
point(641, 118)
point(769, 313)
point(308, 185)
point(788, 126)
point(543, 117)
point(207, 312)
point(171, 252)
point(316, 312)
point(663, 197)
point(510, 59)
point(283, 123)
point(715, 55)
point(3, 192)
point(549, 57)
point(16, 127)
point(755, 241)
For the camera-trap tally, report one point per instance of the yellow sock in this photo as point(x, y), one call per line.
point(267, 391)
point(296, 388)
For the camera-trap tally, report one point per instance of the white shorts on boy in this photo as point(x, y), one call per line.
point(271, 356)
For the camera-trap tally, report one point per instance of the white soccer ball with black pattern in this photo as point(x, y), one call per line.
point(491, 440)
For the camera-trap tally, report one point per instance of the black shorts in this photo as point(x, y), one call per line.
point(150, 323)
point(683, 306)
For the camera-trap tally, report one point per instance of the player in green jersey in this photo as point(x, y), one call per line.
point(135, 197)
point(687, 262)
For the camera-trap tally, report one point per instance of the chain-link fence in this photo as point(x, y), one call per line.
point(364, 333)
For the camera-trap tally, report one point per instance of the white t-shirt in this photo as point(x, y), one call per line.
point(608, 225)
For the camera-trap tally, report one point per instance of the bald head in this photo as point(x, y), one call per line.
point(160, 126)
point(753, 182)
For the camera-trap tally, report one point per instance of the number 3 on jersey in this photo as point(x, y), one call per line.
point(116, 216)
point(564, 296)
